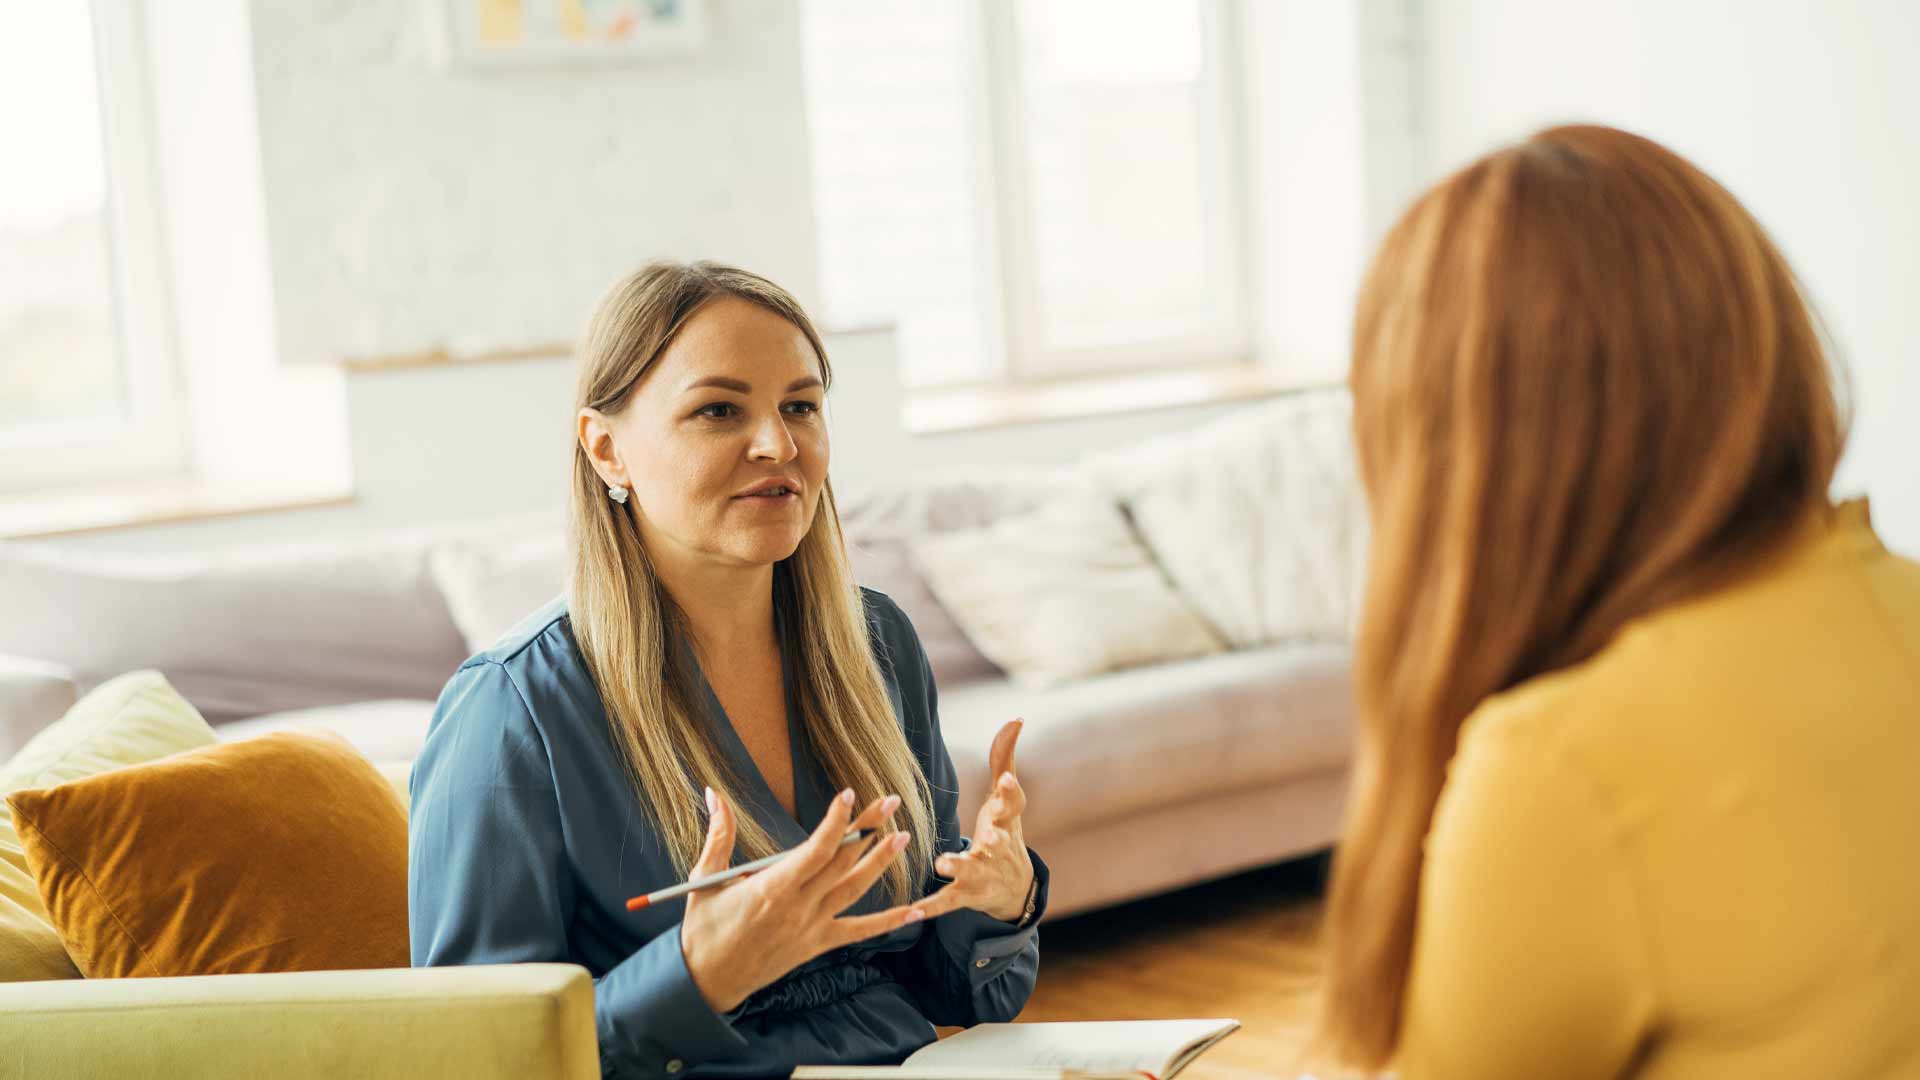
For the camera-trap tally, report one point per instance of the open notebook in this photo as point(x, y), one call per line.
point(1120, 1049)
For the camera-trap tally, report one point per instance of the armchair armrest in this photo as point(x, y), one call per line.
point(501, 1020)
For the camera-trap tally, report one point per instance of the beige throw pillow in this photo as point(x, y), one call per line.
point(1061, 592)
point(135, 718)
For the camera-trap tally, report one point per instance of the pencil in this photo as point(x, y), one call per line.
point(853, 836)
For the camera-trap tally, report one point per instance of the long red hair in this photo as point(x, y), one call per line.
point(1585, 384)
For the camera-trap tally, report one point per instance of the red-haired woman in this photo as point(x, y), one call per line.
point(1638, 791)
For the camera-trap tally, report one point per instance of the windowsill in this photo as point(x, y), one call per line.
point(972, 408)
point(68, 512)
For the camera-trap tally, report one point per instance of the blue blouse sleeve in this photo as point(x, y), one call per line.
point(488, 882)
point(972, 968)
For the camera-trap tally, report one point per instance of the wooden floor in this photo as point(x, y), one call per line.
point(1245, 947)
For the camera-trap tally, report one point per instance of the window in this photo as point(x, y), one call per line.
point(88, 389)
point(1028, 191)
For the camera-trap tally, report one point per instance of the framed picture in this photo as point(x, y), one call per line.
point(543, 33)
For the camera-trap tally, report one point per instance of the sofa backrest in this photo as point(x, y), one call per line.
point(240, 633)
point(33, 694)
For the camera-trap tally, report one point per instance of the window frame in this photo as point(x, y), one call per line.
point(151, 439)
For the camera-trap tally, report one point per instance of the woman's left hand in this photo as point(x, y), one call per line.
point(994, 874)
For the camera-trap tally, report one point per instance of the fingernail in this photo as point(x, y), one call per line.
point(890, 804)
point(901, 840)
point(847, 796)
point(1006, 781)
point(711, 807)
point(916, 915)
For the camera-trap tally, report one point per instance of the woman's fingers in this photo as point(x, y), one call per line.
point(873, 817)
point(957, 865)
point(857, 880)
point(1000, 758)
point(856, 928)
point(877, 813)
point(717, 852)
point(948, 865)
point(1009, 800)
point(934, 905)
point(819, 849)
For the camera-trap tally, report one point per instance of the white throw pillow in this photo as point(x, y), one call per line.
point(1258, 517)
point(1061, 592)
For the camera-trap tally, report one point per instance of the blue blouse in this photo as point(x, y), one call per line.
point(526, 839)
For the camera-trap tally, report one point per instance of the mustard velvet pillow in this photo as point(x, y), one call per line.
point(286, 852)
point(124, 721)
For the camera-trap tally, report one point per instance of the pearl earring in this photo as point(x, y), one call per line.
point(618, 494)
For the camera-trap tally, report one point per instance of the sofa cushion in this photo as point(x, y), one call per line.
point(135, 718)
point(239, 633)
point(400, 775)
point(886, 565)
point(388, 733)
point(33, 694)
point(283, 853)
point(380, 730)
point(1061, 592)
point(881, 522)
point(1257, 517)
point(1130, 741)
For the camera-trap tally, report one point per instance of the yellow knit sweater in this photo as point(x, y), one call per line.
point(1697, 854)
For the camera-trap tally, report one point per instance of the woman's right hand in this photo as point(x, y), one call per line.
point(746, 934)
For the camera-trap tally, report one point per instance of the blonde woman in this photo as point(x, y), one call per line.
point(1639, 782)
point(713, 687)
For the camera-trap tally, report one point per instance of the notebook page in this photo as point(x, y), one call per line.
point(1096, 1046)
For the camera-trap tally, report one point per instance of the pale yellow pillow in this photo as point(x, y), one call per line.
point(135, 718)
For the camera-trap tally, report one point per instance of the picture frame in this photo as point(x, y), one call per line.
point(493, 34)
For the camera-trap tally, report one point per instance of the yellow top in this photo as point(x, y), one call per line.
point(1698, 853)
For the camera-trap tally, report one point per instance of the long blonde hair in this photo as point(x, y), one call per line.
point(1585, 385)
point(636, 639)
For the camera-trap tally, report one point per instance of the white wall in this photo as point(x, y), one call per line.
point(410, 208)
point(466, 445)
point(1331, 153)
point(1805, 109)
